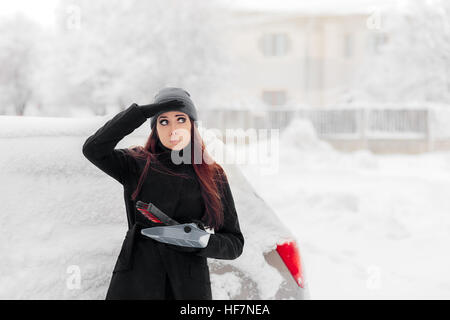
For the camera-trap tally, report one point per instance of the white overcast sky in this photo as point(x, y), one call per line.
point(43, 10)
point(40, 10)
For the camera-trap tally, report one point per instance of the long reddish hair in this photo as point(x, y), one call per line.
point(209, 174)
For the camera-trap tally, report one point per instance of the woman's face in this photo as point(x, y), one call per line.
point(174, 129)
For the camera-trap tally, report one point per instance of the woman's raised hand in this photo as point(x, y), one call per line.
point(152, 109)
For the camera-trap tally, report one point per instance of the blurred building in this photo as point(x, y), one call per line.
point(301, 55)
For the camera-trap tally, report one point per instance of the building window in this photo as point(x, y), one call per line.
point(348, 45)
point(376, 42)
point(274, 44)
point(274, 98)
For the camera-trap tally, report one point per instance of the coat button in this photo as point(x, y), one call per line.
point(187, 229)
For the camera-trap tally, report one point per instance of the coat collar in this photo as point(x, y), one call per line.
point(164, 155)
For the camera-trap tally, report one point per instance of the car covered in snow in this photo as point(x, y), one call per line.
point(60, 242)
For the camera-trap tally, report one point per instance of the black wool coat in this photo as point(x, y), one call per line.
point(146, 268)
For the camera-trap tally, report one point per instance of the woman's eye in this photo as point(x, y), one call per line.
point(165, 121)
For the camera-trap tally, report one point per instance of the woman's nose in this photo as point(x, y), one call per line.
point(178, 134)
point(173, 126)
point(174, 135)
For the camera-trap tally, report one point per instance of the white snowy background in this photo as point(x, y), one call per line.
point(369, 226)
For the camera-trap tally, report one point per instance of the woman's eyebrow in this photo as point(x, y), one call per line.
point(177, 115)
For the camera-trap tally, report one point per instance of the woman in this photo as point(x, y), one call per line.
point(193, 191)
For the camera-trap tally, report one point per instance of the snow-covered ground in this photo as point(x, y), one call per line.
point(369, 226)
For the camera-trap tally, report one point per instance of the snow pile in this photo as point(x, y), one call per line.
point(301, 135)
point(300, 145)
point(368, 226)
point(63, 221)
point(439, 114)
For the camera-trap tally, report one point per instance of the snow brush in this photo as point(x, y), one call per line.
point(184, 235)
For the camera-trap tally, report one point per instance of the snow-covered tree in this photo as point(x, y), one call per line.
point(109, 53)
point(17, 63)
point(414, 64)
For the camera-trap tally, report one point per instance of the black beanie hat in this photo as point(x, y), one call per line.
point(170, 93)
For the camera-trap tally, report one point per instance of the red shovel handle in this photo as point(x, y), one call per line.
point(149, 215)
